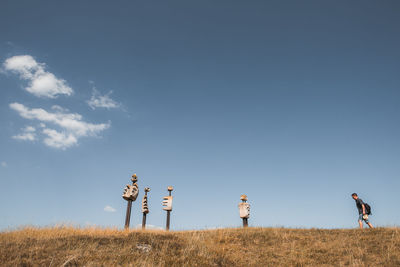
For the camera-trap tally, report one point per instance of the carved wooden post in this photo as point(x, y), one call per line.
point(128, 214)
point(145, 207)
point(244, 210)
point(130, 194)
point(167, 203)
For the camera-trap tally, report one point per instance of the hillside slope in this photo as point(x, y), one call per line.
point(225, 247)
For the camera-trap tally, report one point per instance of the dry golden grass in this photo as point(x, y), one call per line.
point(68, 246)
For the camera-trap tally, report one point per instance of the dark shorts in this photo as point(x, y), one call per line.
point(360, 218)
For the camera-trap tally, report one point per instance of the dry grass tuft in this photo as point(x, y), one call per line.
point(69, 246)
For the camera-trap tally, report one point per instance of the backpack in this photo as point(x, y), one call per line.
point(367, 209)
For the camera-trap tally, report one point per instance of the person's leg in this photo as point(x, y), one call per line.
point(368, 223)
point(360, 220)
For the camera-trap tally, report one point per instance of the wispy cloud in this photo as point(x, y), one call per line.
point(28, 134)
point(59, 139)
point(149, 226)
point(3, 164)
point(102, 101)
point(71, 124)
point(109, 209)
point(41, 82)
point(63, 128)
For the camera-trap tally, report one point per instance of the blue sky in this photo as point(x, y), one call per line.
point(294, 103)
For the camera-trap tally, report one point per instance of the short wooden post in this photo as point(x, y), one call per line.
point(128, 214)
point(144, 221)
point(245, 222)
point(168, 219)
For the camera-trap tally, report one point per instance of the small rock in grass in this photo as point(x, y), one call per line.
point(143, 247)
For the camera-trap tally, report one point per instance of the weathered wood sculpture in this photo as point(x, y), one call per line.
point(145, 207)
point(244, 210)
point(130, 194)
point(167, 203)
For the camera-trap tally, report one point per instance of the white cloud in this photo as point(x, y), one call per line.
point(71, 124)
point(28, 134)
point(149, 227)
point(3, 164)
point(41, 82)
point(59, 140)
point(102, 101)
point(109, 209)
point(58, 108)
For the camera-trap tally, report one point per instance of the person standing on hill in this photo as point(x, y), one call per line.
point(362, 211)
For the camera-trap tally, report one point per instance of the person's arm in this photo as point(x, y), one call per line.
point(363, 207)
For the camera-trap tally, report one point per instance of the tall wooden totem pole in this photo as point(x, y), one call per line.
point(145, 207)
point(244, 210)
point(130, 194)
point(167, 203)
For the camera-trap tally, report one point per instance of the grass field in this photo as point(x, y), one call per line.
point(67, 246)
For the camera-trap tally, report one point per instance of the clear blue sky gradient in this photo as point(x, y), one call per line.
point(294, 103)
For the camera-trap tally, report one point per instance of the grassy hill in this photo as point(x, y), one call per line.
point(225, 247)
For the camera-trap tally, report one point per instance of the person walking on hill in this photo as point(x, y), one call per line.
point(362, 211)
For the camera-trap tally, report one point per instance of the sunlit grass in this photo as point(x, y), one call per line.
point(93, 246)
